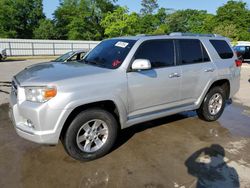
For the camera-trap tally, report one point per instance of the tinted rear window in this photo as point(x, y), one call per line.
point(222, 48)
point(192, 51)
point(159, 52)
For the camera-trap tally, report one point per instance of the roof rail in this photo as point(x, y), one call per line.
point(194, 34)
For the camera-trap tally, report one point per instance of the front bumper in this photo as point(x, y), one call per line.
point(46, 122)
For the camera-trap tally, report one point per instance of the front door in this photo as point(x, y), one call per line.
point(156, 89)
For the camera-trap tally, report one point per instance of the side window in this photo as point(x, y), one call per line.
point(192, 51)
point(82, 55)
point(159, 52)
point(222, 48)
point(73, 58)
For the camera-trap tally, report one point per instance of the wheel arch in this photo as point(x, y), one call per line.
point(224, 84)
point(108, 105)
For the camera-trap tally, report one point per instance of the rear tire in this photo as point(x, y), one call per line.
point(91, 134)
point(213, 104)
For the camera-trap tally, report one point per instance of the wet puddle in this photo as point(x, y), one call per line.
point(237, 120)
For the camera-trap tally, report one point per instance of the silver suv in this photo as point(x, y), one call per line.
point(120, 83)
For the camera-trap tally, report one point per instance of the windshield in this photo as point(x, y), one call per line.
point(109, 53)
point(64, 57)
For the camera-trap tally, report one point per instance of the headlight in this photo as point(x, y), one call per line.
point(40, 94)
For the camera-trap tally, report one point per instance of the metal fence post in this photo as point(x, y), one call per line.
point(10, 49)
point(89, 46)
point(54, 50)
point(32, 48)
point(72, 47)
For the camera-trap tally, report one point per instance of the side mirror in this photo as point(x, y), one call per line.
point(141, 64)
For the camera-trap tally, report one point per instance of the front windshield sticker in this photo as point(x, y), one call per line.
point(121, 44)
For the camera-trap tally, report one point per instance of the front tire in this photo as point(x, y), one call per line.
point(213, 104)
point(91, 135)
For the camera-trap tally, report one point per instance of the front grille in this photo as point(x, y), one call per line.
point(14, 87)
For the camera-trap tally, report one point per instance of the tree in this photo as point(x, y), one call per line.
point(228, 30)
point(45, 30)
point(149, 6)
point(80, 19)
point(154, 23)
point(236, 16)
point(19, 18)
point(120, 23)
point(63, 15)
point(197, 21)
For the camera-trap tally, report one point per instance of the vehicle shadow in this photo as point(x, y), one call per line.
point(210, 169)
point(128, 133)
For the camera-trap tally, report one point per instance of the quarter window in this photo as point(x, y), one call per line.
point(159, 52)
point(222, 48)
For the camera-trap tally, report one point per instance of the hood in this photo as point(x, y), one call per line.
point(51, 72)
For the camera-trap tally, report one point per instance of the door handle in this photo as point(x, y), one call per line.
point(174, 75)
point(210, 70)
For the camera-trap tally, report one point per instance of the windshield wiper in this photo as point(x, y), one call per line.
point(94, 63)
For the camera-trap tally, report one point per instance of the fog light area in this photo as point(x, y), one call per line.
point(30, 124)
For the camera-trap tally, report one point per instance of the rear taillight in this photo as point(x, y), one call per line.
point(238, 63)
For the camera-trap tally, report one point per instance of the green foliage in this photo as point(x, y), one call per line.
point(196, 21)
point(19, 18)
point(80, 19)
point(98, 19)
point(149, 6)
point(154, 23)
point(227, 30)
point(120, 23)
point(236, 16)
point(45, 30)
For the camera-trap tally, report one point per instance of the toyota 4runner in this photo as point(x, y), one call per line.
point(122, 82)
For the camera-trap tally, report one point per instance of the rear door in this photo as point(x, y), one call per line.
point(197, 69)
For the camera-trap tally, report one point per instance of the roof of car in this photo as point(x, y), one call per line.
point(80, 51)
point(172, 35)
point(243, 43)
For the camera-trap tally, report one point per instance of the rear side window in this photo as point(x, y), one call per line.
point(222, 48)
point(159, 52)
point(192, 51)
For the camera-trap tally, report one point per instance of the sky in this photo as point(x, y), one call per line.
point(134, 5)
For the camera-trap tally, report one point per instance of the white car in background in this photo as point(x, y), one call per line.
point(3, 54)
